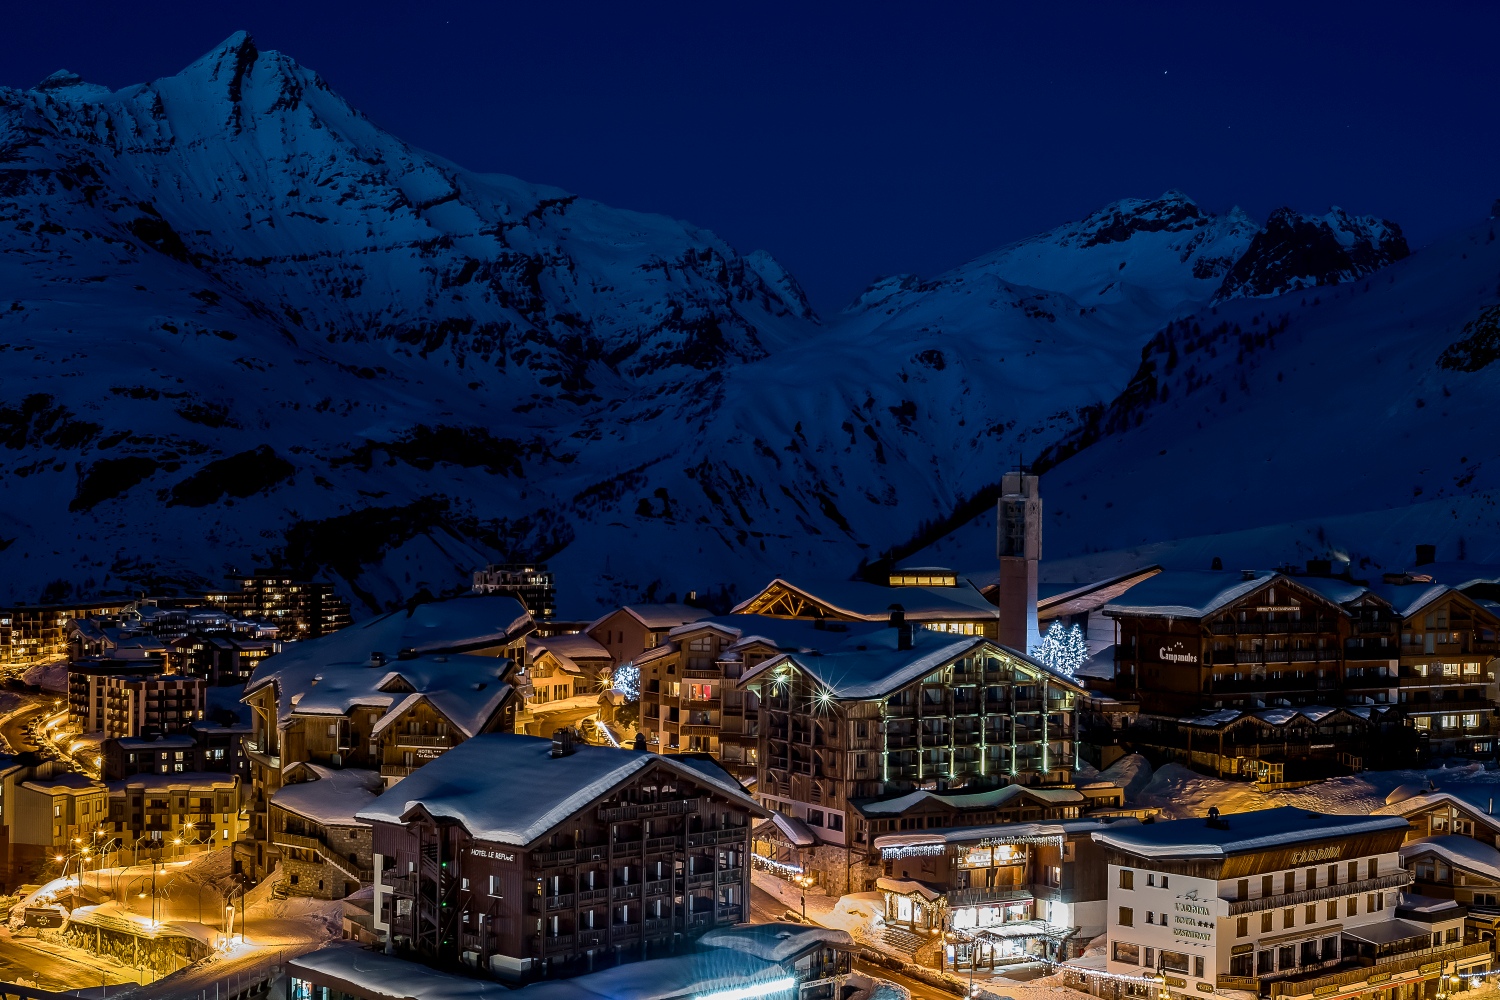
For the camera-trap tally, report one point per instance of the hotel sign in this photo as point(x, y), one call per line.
point(481, 852)
point(1176, 652)
point(1317, 854)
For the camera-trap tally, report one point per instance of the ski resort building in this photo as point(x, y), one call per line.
point(932, 598)
point(325, 851)
point(1281, 678)
point(527, 857)
point(386, 695)
point(125, 698)
point(564, 673)
point(635, 628)
point(691, 701)
point(1280, 903)
point(975, 897)
point(301, 609)
point(871, 715)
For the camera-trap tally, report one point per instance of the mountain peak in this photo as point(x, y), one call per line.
point(1293, 251)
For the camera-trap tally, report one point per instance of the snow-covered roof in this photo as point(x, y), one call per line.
point(868, 664)
point(385, 977)
point(1279, 716)
point(331, 674)
point(693, 974)
point(1476, 799)
point(573, 646)
point(1241, 833)
point(332, 797)
point(986, 799)
point(776, 942)
point(1409, 598)
point(787, 634)
point(1001, 832)
point(65, 781)
point(509, 789)
point(908, 887)
point(1460, 851)
point(657, 616)
point(793, 829)
point(158, 743)
point(187, 780)
point(872, 602)
point(1185, 593)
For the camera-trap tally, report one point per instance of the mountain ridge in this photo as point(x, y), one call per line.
point(247, 324)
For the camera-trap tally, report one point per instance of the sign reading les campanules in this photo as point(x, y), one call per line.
point(1167, 649)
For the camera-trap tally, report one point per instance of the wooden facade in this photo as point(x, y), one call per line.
point(658, 858)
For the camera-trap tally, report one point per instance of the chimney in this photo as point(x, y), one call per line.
point(377, 659)
point(562, 743)
point(898, 615)
point(1426, 554)
point(1018, 522)
point(409, 653)
point(903, 636)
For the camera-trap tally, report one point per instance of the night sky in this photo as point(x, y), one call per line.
point(862, 140)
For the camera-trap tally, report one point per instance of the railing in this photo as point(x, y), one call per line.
point(413, 740)
point(281, 838)
point(560, 902)
point(587, 897)
point(646, 810)
point(395, 770)
point(974, 897)
point(1395, 880)
point(1405, 962)
point(558, 943)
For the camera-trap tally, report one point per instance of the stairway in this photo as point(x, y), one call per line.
point(900, 941)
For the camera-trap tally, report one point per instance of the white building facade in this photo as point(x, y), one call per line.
point(1281, 903)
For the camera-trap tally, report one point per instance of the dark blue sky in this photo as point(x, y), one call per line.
point(853, 141)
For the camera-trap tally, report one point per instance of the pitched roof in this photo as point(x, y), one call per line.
point(1187, 593)
point(509, 789)
point(1459, 851)
point(1241, 833)
point(868, 664)
point(333, 797)
point(1476, 798)
point(657, 616)
point(787, 634)
point(872, 602)
point(573, 646)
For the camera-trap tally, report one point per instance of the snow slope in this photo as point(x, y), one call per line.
point(240, 324)
point(1350, 421)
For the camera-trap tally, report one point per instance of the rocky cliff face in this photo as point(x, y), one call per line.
point(1295, 251)
point(241, 325)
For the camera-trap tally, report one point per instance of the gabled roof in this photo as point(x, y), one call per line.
point(1281, 716)
point(509, 789)
point(1461, 852)
point(329, 675)
point(574, 646)
point(872, 602)
point(656, 616)
point(868, 664)
point(786, 634)
point(1475, 798)
point(1198, 594)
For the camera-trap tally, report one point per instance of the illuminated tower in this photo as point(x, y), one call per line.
point(1019, 541)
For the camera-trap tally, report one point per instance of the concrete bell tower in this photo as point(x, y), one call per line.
point(1018, 519)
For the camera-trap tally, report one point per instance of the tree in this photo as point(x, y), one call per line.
point(1063, 651)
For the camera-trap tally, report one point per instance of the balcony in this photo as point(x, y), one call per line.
point(1428, 961)
point(558, 944)
point(562, 902)
point(1395, 880)
point(976, 897)
point(414, 740)
point(645, 810)
point(395, 771)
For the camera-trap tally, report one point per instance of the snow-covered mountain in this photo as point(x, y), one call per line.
point(239, 323)
point(1351, 421)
